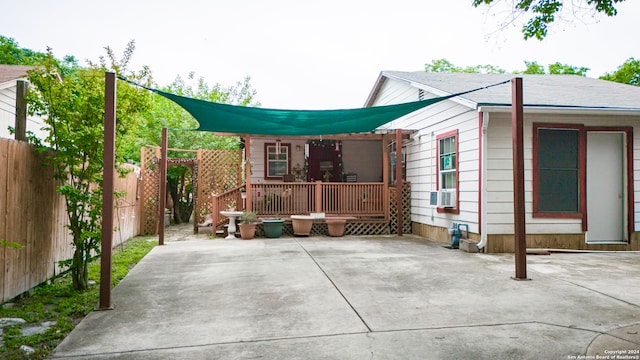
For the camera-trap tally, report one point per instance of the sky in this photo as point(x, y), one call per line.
point(314, 54)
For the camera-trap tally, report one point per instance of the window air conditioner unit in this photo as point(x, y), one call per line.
point(446, 199)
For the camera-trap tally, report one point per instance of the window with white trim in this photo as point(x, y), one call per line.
point(277, 161)
point(448, 161)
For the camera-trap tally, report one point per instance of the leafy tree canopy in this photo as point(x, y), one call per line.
point(444, 65)
point(542, 13)
point(165, 113)
point(627, 73)
point(532, 67)
point(72, 107)
point(12, 54)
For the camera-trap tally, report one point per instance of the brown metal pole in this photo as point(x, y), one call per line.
point(108, 173)
point(247, 174)
point(518, 179)
point(163, 187)
point(385, 176)
point(399, 182)
point(21, 110)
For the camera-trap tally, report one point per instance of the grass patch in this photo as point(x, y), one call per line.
point(57, 301)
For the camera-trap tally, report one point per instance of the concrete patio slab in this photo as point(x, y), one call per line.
point(360, 298)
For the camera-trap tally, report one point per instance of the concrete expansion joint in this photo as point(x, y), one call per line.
point(572, 327)
point(466, 326)
point(598, 332)
point(335, 286)
point(601, 293)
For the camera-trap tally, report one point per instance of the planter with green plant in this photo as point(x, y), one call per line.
point(247, 225)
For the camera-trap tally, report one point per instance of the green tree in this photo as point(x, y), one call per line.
point(627, 73)
point(444, 65)
point(564, 69)
point(532, 67)
point(165, 113)
point(557, 68)
point(543, 12)
point(12, 54)
point(73, 108)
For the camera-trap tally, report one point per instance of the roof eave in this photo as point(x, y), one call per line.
point(548, 109)
point(375, 90)
point(384, 75)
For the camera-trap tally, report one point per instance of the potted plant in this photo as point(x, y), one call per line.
point(247, 225)
point(273, 227)
point(231, 205)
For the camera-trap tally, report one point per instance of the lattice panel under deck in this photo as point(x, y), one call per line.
point(406, 204)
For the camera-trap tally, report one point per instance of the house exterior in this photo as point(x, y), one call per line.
point(581, 139)
point(338, 175)
point(9, 75)
point(348, 175)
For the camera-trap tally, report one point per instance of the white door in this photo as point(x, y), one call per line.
point(605, 187)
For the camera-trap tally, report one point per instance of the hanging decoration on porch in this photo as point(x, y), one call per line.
point(324, 161)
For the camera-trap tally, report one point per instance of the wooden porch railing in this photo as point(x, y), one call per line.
point(292, 198)
point(220, 202)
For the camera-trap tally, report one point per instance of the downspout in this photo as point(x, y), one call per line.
point(483, 179)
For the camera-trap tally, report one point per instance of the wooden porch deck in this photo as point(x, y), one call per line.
point(367, 202)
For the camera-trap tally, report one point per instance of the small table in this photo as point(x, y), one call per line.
point(232, 215)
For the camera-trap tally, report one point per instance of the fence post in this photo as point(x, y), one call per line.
point(318, 192)
point(21, 110)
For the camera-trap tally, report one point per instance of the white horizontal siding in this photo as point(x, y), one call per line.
point(8, 115)
point(7, 111)
point(364, 158)
point(353, 152)
point(428, 123)
point(257, 157)
point(499, 186)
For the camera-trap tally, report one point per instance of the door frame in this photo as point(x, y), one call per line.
point(627, 132)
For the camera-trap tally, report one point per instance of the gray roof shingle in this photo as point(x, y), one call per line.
point(13, 72)
point(538, 90)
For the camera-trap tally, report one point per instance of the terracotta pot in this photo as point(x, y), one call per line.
point(301, 224)
point(336, 226)
point(247, 231)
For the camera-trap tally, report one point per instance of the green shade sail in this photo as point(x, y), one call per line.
point(234, 119)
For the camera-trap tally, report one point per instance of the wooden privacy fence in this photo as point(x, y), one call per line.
point(33, 219)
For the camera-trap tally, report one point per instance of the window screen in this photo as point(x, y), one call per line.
point(557, 170)
point(447, 162)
